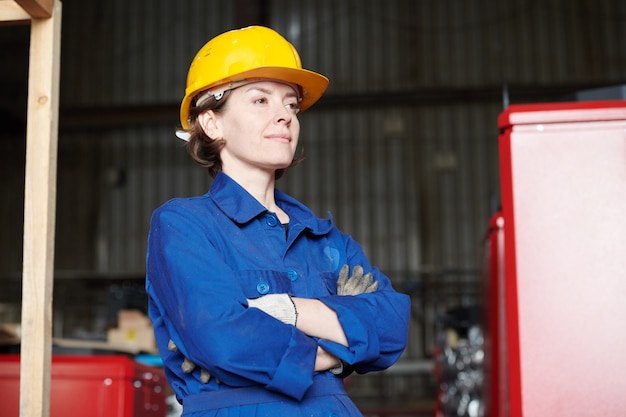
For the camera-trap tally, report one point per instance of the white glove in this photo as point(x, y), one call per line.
point(357, 283)
point(279, 306)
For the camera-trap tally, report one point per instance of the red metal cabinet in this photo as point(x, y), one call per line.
point(563, 181)
point(91, 386)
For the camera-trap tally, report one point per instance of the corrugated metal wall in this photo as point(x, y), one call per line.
point(116, 53)
point(402, 150)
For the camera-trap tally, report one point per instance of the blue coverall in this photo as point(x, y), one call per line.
point(208, 254)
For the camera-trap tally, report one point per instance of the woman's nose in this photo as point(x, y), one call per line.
point(283, 114)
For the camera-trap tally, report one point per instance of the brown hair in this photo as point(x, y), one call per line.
point(204, 150)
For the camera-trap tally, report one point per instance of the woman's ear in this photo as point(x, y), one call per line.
point(209, 122)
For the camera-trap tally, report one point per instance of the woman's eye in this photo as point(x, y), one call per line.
point(293, 107)
point(260, 100)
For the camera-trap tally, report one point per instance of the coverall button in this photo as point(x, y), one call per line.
point(333, 415)
point(271, 220)
point(293, 275)
point(263, 288)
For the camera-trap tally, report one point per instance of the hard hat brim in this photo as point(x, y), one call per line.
point(313, 86)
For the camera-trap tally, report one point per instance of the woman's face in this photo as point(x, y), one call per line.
point(259, 126)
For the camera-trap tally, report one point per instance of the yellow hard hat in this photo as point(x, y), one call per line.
point(254, 52)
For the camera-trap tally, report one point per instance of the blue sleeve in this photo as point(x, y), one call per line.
point(376, 324)
point(198, 303)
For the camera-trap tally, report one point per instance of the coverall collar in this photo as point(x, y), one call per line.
point(241, 207)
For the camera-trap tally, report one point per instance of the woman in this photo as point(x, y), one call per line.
point(259, 307)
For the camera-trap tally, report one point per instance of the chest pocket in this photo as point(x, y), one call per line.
point(330, 283)
point(257, 283)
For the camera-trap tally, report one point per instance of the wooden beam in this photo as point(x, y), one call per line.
point(10, 11)
point(38, 9)
point(39, 214)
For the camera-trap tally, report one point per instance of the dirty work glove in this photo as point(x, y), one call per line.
point(279, 306)
point(357, 283)
point(188, 366)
